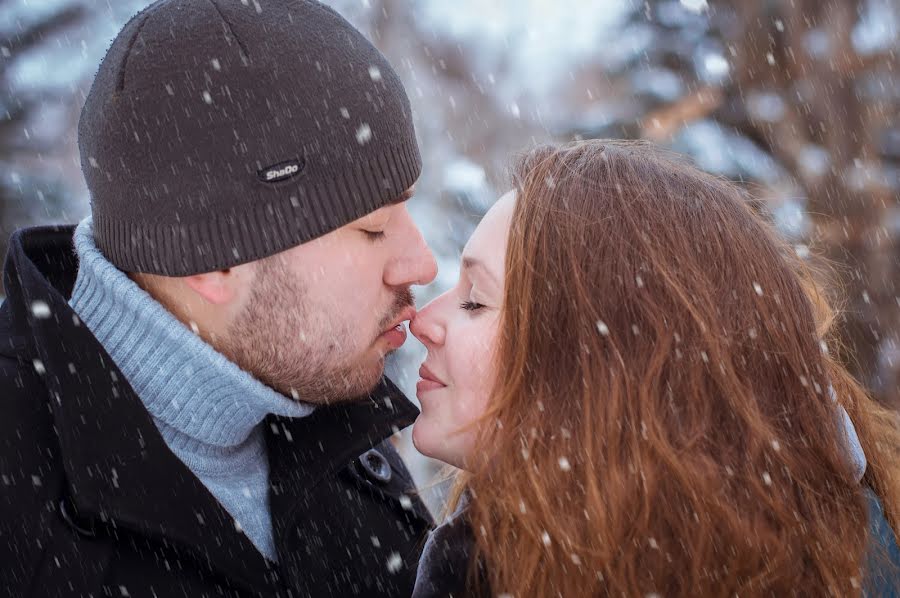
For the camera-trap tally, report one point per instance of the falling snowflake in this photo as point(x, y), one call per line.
point(375, 73)
point(363, 134)
point(40, 310)
point(394, 562)
point(695, 6)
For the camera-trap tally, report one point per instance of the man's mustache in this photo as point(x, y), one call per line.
point(403, 299)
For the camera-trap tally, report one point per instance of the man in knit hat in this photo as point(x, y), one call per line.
point(194, 401)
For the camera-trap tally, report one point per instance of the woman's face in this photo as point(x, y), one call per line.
point(459, 330)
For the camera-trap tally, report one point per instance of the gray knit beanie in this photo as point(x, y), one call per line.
point(218, 132)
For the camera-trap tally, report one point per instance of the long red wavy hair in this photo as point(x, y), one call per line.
point(661, 420)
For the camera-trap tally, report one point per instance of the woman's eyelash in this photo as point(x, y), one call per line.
point(470, 306)
point(374, 235)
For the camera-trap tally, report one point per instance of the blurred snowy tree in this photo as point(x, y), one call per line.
point(29, 192)
point(813, 86)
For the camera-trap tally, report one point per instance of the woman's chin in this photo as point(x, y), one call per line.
point(428, 440)
point(432, 442)
point(420, 436)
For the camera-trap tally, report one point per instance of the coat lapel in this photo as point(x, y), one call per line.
point(303, 451)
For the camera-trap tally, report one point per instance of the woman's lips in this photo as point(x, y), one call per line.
point(428, 380)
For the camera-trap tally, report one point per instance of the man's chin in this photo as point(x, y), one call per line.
point(370, 379)
point(342, 388)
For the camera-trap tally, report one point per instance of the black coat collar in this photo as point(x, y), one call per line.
point(118, 466)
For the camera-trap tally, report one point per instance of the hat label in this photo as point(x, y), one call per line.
point(281, 171)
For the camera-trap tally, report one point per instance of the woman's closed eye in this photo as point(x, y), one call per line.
point(470, 306)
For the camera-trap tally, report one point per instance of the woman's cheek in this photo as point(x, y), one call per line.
point(480, 362)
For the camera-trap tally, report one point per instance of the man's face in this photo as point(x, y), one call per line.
point(322, 316)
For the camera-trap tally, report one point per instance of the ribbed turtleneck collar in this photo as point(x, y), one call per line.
point(184, 383)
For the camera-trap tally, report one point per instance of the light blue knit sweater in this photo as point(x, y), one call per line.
point(207, 409)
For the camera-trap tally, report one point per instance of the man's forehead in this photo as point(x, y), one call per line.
point(384, 211)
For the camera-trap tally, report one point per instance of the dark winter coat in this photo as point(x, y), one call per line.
point(446, 560)
point(92, 501)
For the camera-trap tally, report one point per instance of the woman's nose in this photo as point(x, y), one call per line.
point(427, 326)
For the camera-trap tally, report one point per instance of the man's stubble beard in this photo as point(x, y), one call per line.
point(266, 341)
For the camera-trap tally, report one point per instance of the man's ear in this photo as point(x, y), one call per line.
point(218, 288)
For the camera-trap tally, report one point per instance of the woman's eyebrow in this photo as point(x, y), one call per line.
point(471, 263)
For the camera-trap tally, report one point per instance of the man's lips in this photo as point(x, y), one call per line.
point(395, 336)
point(407, 314)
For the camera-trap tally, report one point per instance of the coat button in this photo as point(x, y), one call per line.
point(66, 510)
point(376, 466)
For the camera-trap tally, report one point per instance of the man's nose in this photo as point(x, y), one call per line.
point(416, 264)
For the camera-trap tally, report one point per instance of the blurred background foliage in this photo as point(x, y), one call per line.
point(798, 100)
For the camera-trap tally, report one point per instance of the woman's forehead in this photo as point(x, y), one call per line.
point(488, 243)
